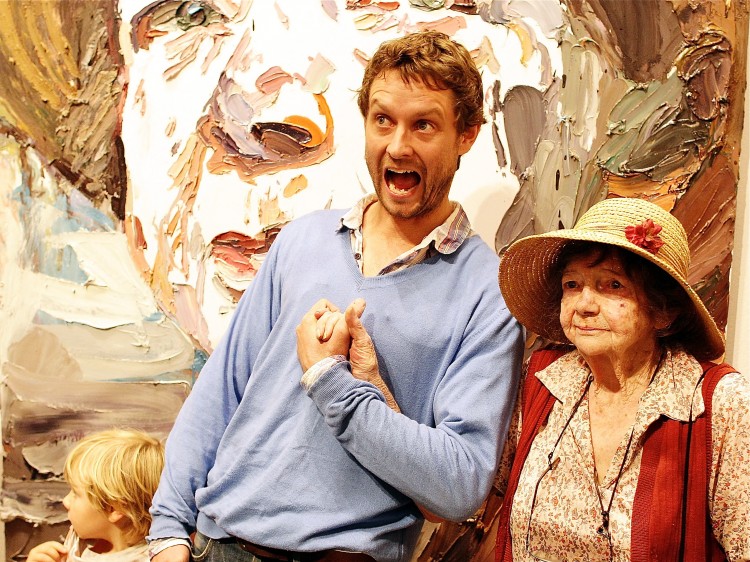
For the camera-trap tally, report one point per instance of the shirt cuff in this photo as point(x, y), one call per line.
point(317, 370)
point(157, 545)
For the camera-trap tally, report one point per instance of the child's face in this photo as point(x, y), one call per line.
point(88, 522)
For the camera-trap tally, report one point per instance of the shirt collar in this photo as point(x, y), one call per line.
point(670, 393)
point(447, 237)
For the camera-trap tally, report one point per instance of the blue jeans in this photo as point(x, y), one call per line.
point(210, 550)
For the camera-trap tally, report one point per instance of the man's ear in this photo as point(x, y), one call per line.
point(467, 139)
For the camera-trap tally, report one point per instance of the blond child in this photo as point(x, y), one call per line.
point(112, 476)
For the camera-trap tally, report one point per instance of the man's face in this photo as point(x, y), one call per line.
point(241, 115)
point(412, 148)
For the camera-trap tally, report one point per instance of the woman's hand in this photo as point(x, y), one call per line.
point(362, 356)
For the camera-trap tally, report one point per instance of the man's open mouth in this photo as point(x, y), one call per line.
point(401, 181)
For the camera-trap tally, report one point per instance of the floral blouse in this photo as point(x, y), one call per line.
point(563, 523)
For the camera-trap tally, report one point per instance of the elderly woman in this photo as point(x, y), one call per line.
point(629, 444)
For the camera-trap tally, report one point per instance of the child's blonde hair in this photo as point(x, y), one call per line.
point(118, 469)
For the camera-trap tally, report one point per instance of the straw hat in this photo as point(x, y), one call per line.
point(634, 224)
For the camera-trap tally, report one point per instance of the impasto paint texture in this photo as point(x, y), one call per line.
point(150, 152)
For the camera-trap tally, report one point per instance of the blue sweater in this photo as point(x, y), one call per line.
point(253, 455)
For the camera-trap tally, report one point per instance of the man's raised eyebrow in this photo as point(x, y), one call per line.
point(428, 113)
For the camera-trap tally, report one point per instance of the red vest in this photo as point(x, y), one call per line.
point(672, 452)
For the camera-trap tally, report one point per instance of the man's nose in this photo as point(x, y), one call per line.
point(400, 143)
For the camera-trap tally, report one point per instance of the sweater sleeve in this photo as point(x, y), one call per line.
point(448, 468)
point(729, 496)
point(203, 419)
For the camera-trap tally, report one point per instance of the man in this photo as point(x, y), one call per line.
point(258, 463)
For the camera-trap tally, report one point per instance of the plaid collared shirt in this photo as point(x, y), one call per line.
point(445, 238)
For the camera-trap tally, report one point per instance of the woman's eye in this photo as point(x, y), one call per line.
point(569, 285)
point(615, 285)
point(165, 16)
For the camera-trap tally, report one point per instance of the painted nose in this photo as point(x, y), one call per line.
point(399, 145)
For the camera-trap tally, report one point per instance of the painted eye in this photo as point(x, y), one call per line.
point(191, 14)
point(165, 16)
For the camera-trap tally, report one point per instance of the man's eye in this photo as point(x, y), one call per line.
point(165, 16)
point(569, 285)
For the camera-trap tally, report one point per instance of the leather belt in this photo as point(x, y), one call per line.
point(267, 553)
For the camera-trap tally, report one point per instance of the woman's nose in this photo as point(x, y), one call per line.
point(587, 302)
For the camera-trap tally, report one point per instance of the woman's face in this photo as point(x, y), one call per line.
point(603, 311)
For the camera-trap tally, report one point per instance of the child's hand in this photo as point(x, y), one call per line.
point(51, 551)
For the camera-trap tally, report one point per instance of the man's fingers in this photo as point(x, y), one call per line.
point(323, 306)
point(326, 323)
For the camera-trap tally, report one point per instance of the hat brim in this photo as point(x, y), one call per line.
point(526, 283)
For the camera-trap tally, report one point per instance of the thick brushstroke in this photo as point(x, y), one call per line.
point(524, 111)
point(707, 211)
point(237, 258)
point(640, 38)
point(60, 90)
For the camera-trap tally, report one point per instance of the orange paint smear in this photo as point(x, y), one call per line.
point(316, 135)
point(297, 184)
point(663, 194)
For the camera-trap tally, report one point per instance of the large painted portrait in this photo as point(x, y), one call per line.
point(150, 151)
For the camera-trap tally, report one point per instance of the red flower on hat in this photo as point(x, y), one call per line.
point(645, 235)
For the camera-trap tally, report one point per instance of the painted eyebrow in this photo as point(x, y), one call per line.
point(217, 6)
